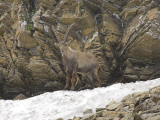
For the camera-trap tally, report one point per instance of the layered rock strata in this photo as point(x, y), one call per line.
point(123, 35)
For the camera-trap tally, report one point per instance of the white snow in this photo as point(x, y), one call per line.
point(115, 14)
point(46, 28)
point(93, 37)
point(67, 104)
point(23, 25)
point(150, 32)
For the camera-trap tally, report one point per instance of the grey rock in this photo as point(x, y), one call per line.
point(89, 111)
point(20, 97)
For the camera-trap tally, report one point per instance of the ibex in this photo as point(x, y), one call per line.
point(77, 62)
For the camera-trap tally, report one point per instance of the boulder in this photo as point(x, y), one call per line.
point(25, 40)
point(39, 69)
point(15, 81)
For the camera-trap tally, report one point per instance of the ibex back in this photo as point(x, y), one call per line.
point(76, 61)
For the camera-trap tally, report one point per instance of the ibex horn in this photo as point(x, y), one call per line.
point(56, 34)
point(67, 32)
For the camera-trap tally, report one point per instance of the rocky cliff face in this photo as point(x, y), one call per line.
point(123, 35)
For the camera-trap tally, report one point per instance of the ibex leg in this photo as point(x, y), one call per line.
point(96, 77)
point(67, 80)
point(73, 81)
point(91, 80)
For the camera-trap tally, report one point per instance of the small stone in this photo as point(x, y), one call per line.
point(131, 77)
point(147, 71)
point(76, 118)
point(128, 63)
point(130, 70)
point(54, 84)
point(100, 109)
point(155, 90)
point(112, 106)
point(59, 119)
point(89, 117)
point(87, 111)
point(20, 97)
point(143, 77)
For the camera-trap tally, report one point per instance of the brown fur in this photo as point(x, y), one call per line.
point(76, 61)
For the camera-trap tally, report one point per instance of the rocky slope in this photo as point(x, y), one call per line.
point(124, 36)
point(139, 106)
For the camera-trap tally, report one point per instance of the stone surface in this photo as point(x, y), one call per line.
point(20, 97)
point(59, 119)
point(138, 106)
point(89, 111)
point(123, 36)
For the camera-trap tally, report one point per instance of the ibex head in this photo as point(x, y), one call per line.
point(62, 43)
point(63, 46)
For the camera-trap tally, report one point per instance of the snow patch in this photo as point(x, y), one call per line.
point(46, 15)
point(67, 104)
point(141, 17)
point(117, 16)
point(149, 32)
point(94, 36)
point(46, 28)
point(136, 27)
point(23, 25)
